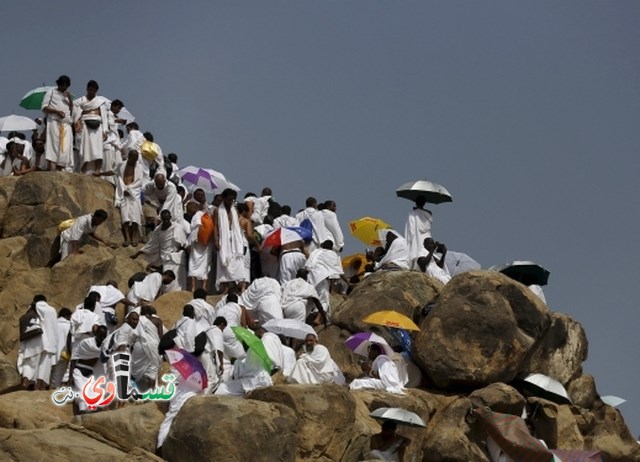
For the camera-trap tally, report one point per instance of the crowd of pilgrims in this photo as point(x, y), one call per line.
point(191, 244)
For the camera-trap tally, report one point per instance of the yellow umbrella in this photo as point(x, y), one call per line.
point(348, 261)
point(366, 229)
point(391, 318)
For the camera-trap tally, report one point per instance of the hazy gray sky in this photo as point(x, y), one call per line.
point(527, 112)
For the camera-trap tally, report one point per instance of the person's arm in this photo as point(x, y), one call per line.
point(220, 362)
point(251, 238)
point(402, 450)
point(102, 241)
point(320, 309)
point(216, 234)
point(443, 249)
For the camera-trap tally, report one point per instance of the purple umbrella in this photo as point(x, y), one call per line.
point(359, 343)
point(189, 368)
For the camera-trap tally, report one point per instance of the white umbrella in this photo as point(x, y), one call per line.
point(126, 115)
point(289, 328)
point(613, 401)
point(458, 262)
point(360, 342)
point(16, 122)
point(432, 192)
point(221, 181)
point(547, 388)
point(397, 414)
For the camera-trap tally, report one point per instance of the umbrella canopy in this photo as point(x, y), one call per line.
point(432, 192)
point(289, 328)
point(390, 318)
point(255, 344)
point(545, 387)
point(613, 401)
point(365, 229)
point(359, 343)
point(126, 115)
point(197, 177)
point(280, 236)
point(350, 259)
point(458, 262)
point(221, 180)
point(399, 415)
point(16, 122)
point(33, 98)
point(577, 455)
point(526, 272)
point(189, 368)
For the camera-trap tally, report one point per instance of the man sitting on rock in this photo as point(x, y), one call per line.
point(314, 365)
point(433, 263)
point(396, 253)
point(382, 372)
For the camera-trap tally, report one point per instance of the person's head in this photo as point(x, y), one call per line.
point(429, 244)
point(391, 236)
point(375, 350)
point(181, 191)
point(330, 205)
point(228, 197)
point(168, 277)
point(132, 158)
point(38, 145)
point(147, 310)
point(200, 293)
point(92, 89)
point(160, 180)
point(302, 273)
point(420, 201)
point(132, 126)
point(266, 192)
point(220, 322)
point(89, 303)
point(243, 210)
point(311, 202)
point(116, 106)
point(192, 208)
point(188, 311)
point(321, 206)
point(259, 331)
point(99, 217)
point(217, 200)
point(100, 334)
point(310, 341)
point(132, 319)
point(148, 136)
point(200, 196)
point(165, 219)
point(173, 157)
point(327, 245)
point(286, 210)
point(232, 298)
point(389, 428)
point(250, 195)
point(63, 82)
point(267, 220)
point(112, 283)
point(64, 313)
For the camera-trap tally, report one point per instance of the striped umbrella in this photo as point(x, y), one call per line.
point(198, 177)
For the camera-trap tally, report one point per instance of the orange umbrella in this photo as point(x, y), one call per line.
point(391, 318)
point(365, 229)
point(350, 259)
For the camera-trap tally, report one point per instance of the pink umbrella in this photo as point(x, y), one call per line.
point(189, 368)
point(359, 343)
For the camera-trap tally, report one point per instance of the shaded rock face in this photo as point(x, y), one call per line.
point(499, 397)
point(480, 332)
point(235, 430)
point(582, 391)
point(404, 291)
point(9, 377)
point(27, 410)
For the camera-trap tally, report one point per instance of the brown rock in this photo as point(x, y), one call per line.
point(333, 337)
point(556, 424)
point(480, 331)
point(169, 306)
point(27, 410)
point(9, 377)
point(134, 426)
point(611, 436)
point(232, 429)
point(325, 417)
point(561, 351)
point(499, 397)
point(582, 391)
point(404, 291)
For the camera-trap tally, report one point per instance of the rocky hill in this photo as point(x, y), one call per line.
point(479, 334)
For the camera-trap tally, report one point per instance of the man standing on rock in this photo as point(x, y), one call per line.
point(58, 108)
point(382, 372)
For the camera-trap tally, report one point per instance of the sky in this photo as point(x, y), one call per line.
point(527, 112)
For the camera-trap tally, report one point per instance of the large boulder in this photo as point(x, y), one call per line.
point(232, 429)
point(27, 410)
point(9, 376)
point(555, 424)
point(333, 337)
point(325, 417)
point(611, 436)
point(582, 391)
point(561, 351)
point(480, 331)
point(404, 291)
point(499, 397)
point(133, 426)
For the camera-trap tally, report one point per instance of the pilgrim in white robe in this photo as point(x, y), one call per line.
point(416, 229)
point(288, 359)
point(60, 372)
point(397, 254)
point(87, 349)
point(109, 297)
point(333, 228)
point(204, 314)
point(248, 374)
point(127, 196)
point(268, 262)
point(434, 271)
point(166, 198)
point(49, 319)
point(183, 392)
point(145, 359)
point(210, 357)
point(133, 142)
point(291, 261)
point(187, 331)
point(81, 228)
point(294, 299)
point(323, 265)
point(59, 140)
point(263, 297)
point(316, 367)
point(164, 247)
point(200, 255)
point(147, 290)
point(316, 217)
point(111, 156)
point(230, 265)
point(29, 352)
point(273, 345)
point(91, 140)
point(284, 221)
point(389, 379)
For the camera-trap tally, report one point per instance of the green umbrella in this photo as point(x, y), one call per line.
point(255, 344)
point(33, 99)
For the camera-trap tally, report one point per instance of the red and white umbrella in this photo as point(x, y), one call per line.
point(281, 236)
